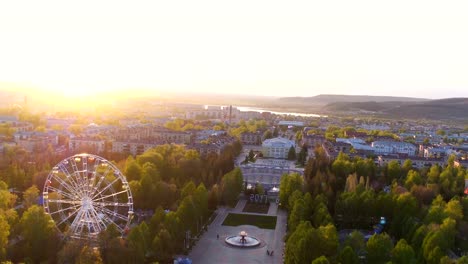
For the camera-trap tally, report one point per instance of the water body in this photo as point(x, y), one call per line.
point(260, 110)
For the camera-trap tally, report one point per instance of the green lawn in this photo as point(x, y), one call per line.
point(259, 208)
point(261, 221)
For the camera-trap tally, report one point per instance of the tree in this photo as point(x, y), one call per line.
point(348, 256)
point(259, 188)
point(454, 210)
point(413, 178)
point(321, 216)
point(403, 253)
point(231, 186)
point(30, 196)
point(4, 233)
point(188, 189)
point(76, 251)
point(200, 198)
point(292, 153)
point(379, 248)
point(307, 243)
point(356, 241)
point(267, 134)
point(38, 231)
point(89, 255)
point(70, 251)
point(132, 169)
point(187, 214)
point(433, 174)
point(163, 245)
point(298, 136)
point(288, 184)
point(438, 241)
point(463, 260)
point(147, 192)
point(407, 165)
point(298, 214)
point(112, 246)
point(302, 157)
point(139, 242)
point(213, 197)
point(321, 260)
point(393, 170)
point(275, 132)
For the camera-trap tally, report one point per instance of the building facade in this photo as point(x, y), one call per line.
point(277, 147)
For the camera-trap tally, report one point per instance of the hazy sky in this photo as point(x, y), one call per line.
point(284, 48)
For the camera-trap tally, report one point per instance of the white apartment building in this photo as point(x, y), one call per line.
point(394, 147)
point(277, 147)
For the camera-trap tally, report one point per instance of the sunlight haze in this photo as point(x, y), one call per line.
point(273, 48)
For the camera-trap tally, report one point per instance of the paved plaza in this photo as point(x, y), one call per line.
point(209, 249)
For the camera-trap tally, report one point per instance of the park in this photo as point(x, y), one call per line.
point(268, 228)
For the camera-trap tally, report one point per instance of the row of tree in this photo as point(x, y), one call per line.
point(426, 218)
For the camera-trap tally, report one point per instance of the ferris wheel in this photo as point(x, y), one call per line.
point(86, 193)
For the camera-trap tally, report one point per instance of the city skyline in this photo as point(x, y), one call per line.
point(413, 49)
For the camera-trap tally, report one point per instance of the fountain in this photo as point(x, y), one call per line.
point(242, 240)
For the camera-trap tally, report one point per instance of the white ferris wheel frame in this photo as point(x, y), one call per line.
point(89, 194)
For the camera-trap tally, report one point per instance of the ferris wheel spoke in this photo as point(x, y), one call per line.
point(105, 188)
point(67, 186)
point(78, 174)
point(89, 186)
point(115, 214)
point(61, 192)
point(111, 204)
point(64, 201)
point(65, 209)
point(110, 222)
point(92, 184)
point(90, 221)
point(76, 222)
point(101, 179)
point(107, 196)
point(68, 217)
point(100, 225)
point(69, 176)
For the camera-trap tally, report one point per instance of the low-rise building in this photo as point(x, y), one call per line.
point(136, 147)
point(312, 140)
point(88, 144)
point(418, 162)
point(437, 152)
point(35, 141)
point(206, 149)
point(249, 138)
point(394, 147)
point(213, 144)
point(277, 147)
point(170, 136)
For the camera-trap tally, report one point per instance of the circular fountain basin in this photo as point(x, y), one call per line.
point(236, 241)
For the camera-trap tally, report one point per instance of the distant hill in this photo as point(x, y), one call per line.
point(451, 108)
point(324, 99)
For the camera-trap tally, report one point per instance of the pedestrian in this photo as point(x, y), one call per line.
point(217, 236)
point(268, 252)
